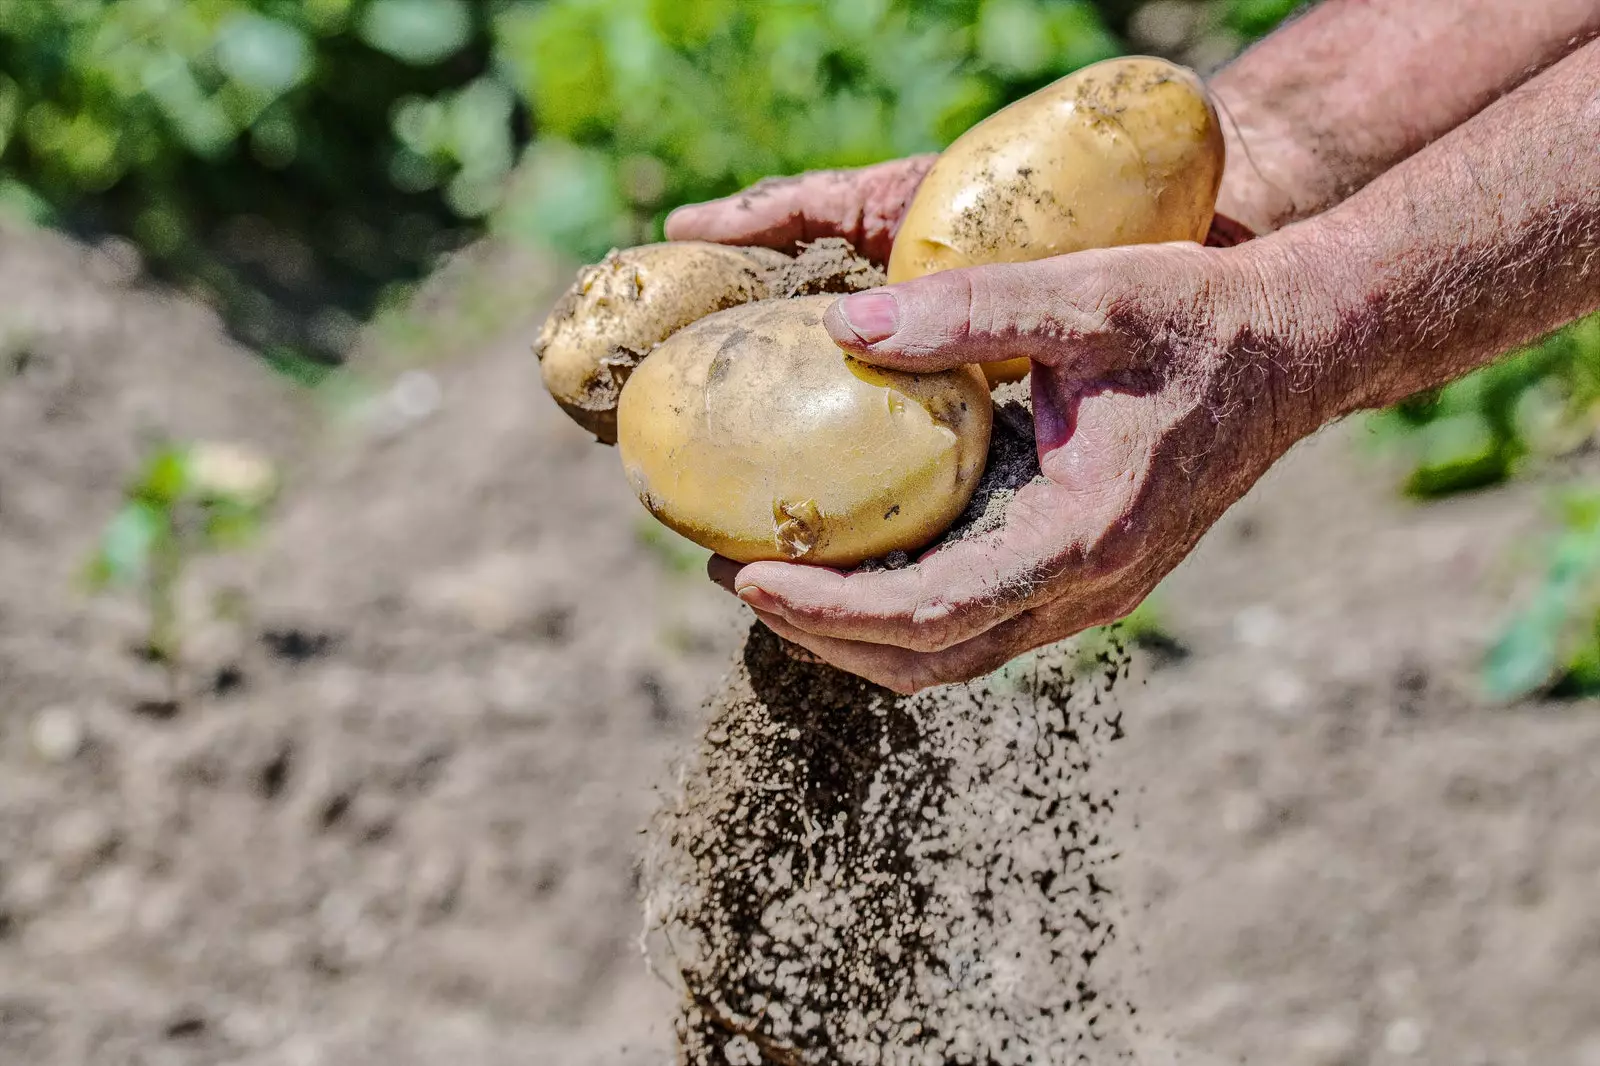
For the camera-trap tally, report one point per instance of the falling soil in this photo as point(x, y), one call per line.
point(850, 876)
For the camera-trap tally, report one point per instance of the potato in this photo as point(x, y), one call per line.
point(622, 307)
point(751, 433)
point(1128, 151)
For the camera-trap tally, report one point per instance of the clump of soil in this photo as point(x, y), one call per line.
point(851, 876)
point(823, 266)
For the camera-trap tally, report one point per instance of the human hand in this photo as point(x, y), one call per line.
point(864, 206)
point(1159, 398)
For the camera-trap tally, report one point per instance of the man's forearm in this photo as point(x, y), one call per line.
point(1330, 101)
point(1485, 240)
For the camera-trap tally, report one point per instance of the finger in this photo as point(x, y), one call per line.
point(905, 671)
point(952, 594)
point(864, 206)
point(1057, 312)
point(771, 214)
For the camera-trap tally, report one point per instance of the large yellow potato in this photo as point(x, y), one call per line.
point(753, 434)
point(625, 305)
point(1127, 151)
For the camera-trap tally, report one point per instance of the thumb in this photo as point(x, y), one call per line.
point(1053, 311)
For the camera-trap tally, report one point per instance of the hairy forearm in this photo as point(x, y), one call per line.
point(1335, 98)
point(1485, 240)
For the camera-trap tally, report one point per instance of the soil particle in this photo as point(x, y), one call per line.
point(851, 876)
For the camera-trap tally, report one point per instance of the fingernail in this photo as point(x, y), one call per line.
point(871, 316)
point(758, 598)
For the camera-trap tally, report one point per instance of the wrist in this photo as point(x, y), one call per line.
point(1304, 328)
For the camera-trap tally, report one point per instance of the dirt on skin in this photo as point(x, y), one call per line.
point(853, 877)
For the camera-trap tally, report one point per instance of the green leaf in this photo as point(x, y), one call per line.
point(1014, 37)
point(1257, 17)
point(419, 32)
point(231, 526)
point(127, 545)
point(567, 197)
point(1457, 453)
point(1534, 650)
point(1526, 658)
point(263, 54)
point(165, 477)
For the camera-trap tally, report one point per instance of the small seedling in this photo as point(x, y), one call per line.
point(186, 500)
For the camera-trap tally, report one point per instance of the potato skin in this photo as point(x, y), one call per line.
point(751, 433)
point(622, 307)
point(1127, 151)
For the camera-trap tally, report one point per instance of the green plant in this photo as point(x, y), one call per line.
point(1553, 644)
point(290, 158)
point(184, 501)
point(1539, 402)
point(645, 104)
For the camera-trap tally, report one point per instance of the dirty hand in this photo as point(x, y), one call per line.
point(1157, 404)
point(864, 206)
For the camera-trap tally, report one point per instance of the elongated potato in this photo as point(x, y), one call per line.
point(753, 434)
point(1127, 151)
point(625, 305)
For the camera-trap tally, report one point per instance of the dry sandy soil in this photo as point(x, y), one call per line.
point(394, 820)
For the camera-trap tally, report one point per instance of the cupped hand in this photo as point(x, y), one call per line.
point(1158, 398)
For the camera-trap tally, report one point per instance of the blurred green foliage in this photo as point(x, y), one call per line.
point(1537, 403)
point(645, 104)
point(1553, 643)
point(294, 160)
point(287, 158)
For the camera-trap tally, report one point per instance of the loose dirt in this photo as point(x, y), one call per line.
point(855, 877)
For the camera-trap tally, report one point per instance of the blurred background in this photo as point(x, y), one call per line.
point(339, 669)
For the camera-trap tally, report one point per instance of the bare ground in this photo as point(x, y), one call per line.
point(395, 820)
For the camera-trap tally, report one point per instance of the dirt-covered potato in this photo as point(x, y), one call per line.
point(625, 305)
point(1127, 151)
point(753, 434)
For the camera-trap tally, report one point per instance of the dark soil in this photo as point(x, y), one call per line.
point(855, 877)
